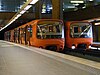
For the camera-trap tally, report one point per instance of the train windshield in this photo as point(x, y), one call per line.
point(50, 30)
point(81, 30)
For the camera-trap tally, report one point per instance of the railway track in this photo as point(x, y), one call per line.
point(87, 54)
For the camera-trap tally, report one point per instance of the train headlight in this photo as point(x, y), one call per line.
point(89, 46)
point(73, 47)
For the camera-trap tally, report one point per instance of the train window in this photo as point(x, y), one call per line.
point(81, 30)
point(75, 29)
point(49, 29)
point(30, 30)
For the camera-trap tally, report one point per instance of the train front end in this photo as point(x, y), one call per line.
point(79, 35)
point(50, 35)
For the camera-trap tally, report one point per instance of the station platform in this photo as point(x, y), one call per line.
point(16, 59)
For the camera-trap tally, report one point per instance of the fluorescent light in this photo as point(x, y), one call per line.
point(50, 8)
point(4, 27)
point(97, 23)
point(27, 7)
point(83, 7)
point(17, 16)
point(90, 0)
point(9, 23)
point(77, 1)
point(13, 19)
point(34, 1)
point(22, 12)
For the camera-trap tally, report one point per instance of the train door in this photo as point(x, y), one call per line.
point(29, 34)
point(18, 35)
point(5, 36)
point(21, 35)
point(14, 35)
point(8, 36)
point(25, 33)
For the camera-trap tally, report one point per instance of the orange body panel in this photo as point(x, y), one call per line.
point(77, 41)
point(49, 42)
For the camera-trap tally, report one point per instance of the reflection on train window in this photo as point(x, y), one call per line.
point(30, 30)
point(81, 30)
point(49, 29)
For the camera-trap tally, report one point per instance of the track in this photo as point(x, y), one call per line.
point(92, 54)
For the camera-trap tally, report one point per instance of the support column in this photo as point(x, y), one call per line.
point(38, 9)
point(95, 33)
point(57, 11)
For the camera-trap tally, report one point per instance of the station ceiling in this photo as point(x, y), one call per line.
point(8, 8)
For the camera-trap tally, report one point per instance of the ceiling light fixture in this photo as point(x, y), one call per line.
point(77, 1)
point(97, 23)
point(27, 7)
point(90, 0)
point(23, 9)
point(17, 16)
point(34, 1)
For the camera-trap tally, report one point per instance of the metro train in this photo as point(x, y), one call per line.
point(52, 34)
point(78, 35)
point(42, 33)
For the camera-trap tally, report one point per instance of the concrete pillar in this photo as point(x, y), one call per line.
point(96, 31)
point(38, 9)
point(57, 11)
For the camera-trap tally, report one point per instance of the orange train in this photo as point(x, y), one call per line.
point(42, 33)
point(78, 35)
point(49, 34)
